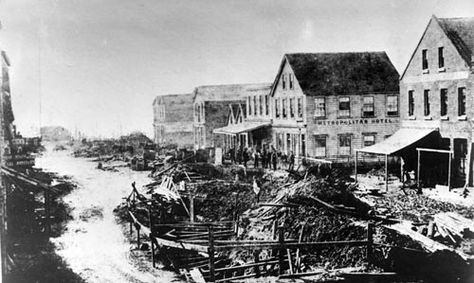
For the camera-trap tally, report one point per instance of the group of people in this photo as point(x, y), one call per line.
point(271, 159)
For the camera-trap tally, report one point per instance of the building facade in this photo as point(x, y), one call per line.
point(436, 89)
point(326, 105)
point(212, 107)
point(173, 120)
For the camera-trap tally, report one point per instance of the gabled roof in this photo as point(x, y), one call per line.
point(167, 99)
point(230, 92)
point(461, 33)
point(342, 73)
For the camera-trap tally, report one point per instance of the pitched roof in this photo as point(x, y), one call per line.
point(167, 99)
point(461, 33)
point(342, 73)
point(230, 92)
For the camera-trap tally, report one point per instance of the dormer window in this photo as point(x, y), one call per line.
point(290, 76)
point(441, 57)
point(424, 55)
point(283, 81)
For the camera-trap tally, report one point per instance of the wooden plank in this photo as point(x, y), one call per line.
point(181, 245)
point(293, 245)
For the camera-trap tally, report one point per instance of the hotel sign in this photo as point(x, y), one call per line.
point(362, 121)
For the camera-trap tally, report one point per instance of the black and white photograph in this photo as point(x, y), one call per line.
point(251, 141)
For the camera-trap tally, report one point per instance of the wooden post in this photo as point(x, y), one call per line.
point(449, 171)
point(152, 241)
point(281, 251)
point(138, 236)
point(47, 212)
point(256, 256)
point(402, 163)
point(131, 227)
point(386, 172)
point(210, 251)
point(237, 225)
point(355, 165)
point(418, 170)
point(370, 231)
point(191, 205)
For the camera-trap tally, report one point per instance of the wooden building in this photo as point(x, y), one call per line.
point(249, 123)
point(212, 108)
point(173, 120)
point(326, 105)
point(435, 139)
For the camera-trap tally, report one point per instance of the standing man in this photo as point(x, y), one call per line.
point(291, 161)
point(256, 158)
point(274, 159)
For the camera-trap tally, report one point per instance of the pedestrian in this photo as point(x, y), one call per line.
point(256, 158)
point(245, 156)
point(264, 158)
point(274, 160)
point(291, 161)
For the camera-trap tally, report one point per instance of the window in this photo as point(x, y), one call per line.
point(290, 76)
point(288, 143)
point(255, 106)
point(283, 81)
point(319, 107)
point(461, 101)
point(345, 144)
point(292, 107)
point(303, 145)
point(267, 106)
point(369, 139)
point(199, 113)
point(424, 59)
point(320, 145)
point(426, 99)
point(443, 101)
point(300, 107)
point(411, 103)
point(283, 106)
point(392, 105)
point(344, 107)
point(368, 107)
point(440, 57)
point(260, 105)
point(277, 108)
point(250, 105)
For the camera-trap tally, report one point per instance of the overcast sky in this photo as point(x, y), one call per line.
point(98, 64)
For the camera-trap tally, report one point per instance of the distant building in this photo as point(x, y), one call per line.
point(55, 133)
point(326, 105)
point(249, 123)
point(436, 91)
point(173, 120)
point(211, 109)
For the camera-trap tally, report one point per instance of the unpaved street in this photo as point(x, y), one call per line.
point(94, 244)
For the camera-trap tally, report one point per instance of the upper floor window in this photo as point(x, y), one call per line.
point(443, 98)
point(392, 105)
point(267, 106)
point(283, 81)
point(440, 57)
point(292, 107)
point(283, 106)
point(424, 55)
point(411, 103)
point(344, 106)
point(461, 101)
point(319, 107)
point(277, 108)
point(368, 109)
point(198, 113)
point(260, 105)
point(255, 105)
point(300, 107)
point(426, 99)
point(290, 77)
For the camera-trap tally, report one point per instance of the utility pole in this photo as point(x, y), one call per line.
point(3, 194)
